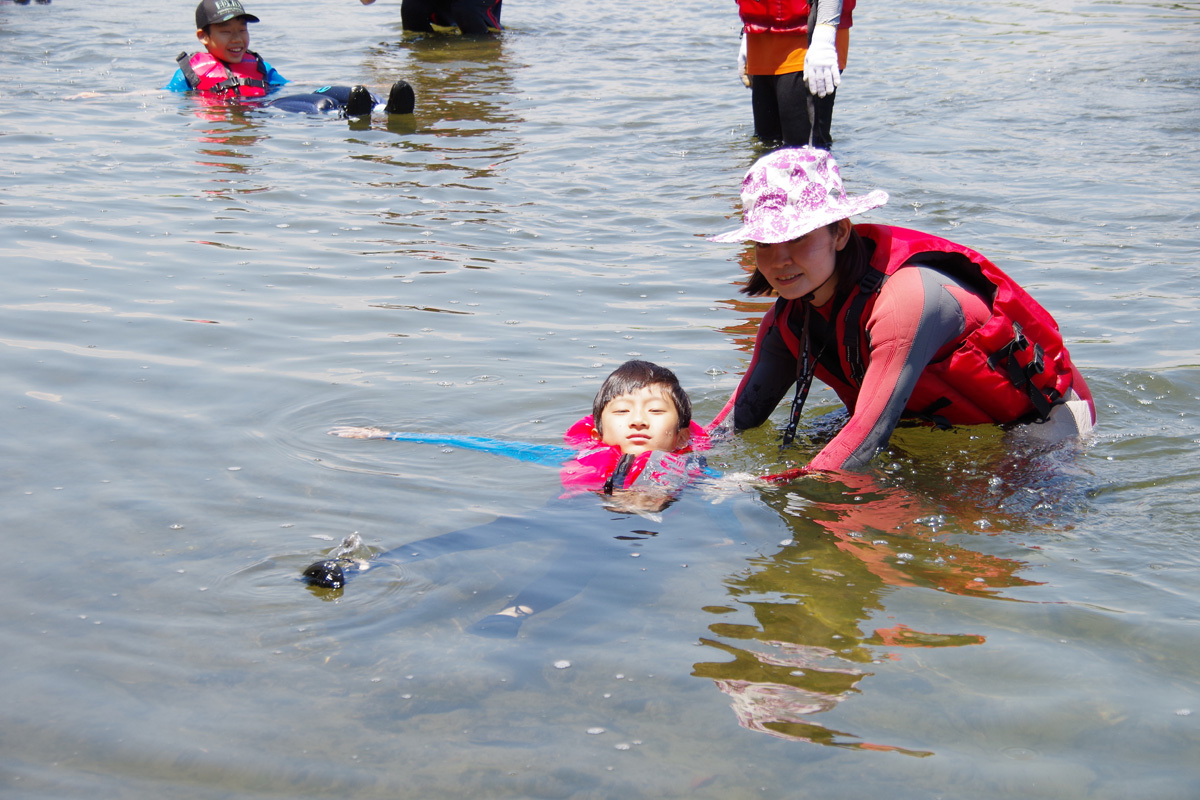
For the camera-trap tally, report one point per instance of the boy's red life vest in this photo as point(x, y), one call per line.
point(209, 75)
point(783, 16)
point(1015, 366)
point(603, 467)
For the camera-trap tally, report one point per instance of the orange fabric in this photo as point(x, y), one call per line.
point(782, 53)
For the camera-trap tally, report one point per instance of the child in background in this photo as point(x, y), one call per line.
point(229, 68)
point(638, 447)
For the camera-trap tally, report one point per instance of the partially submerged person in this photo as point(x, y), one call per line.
point(228, 69)
point(638, 448)
point(897, 322)
point(469, 17)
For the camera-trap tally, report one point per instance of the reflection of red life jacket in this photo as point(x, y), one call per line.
point(783, 16)
point(1014, 366)
point(596, 467)
point(209, 75)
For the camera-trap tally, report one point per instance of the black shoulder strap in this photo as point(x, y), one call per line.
point(185, 66)
point(262, 69)
point(617, 479)
point(867, 286)
point(806, 367)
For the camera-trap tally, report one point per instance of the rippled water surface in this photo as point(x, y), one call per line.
point(192, 297)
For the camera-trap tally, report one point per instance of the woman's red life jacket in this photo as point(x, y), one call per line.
point(783, 16)
point(1013, 367)
point(209, 75)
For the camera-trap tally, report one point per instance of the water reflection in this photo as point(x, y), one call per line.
point(450, 175)
point(464, 88)
point(854, 540)
point(226, 141)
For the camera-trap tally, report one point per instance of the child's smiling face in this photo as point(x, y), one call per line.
point(642, 420)
point(227, 40)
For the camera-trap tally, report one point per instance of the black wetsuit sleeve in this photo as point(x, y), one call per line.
point(772, 372)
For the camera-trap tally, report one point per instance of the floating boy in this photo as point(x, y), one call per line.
point(228, 69)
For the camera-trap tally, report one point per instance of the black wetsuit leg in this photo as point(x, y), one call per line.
point(785, 111)
point(579, 556)
point(555, 518)
point(502, 530)
point(310, 103)
point(325, 99)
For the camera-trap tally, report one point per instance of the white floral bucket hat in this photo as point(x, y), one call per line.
point(792, 191)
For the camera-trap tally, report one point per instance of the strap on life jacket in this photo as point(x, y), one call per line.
point(930, 415)
point(185, 66)
point(1022, 376)
point(806, 368)
point(618, 475)
point(870, 283)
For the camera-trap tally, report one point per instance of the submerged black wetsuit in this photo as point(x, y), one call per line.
point(472, 17)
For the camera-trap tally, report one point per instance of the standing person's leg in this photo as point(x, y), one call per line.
point(765, 105)
point(417, 15)
point(805, 118)
point(475, 17)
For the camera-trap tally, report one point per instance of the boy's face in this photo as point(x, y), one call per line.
point(642, 420)
point(227, 40)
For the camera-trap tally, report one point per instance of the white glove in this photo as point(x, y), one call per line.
point(742, 63)
point(821, 62)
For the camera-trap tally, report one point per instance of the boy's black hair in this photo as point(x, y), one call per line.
point(850, 264)
point(635, 375)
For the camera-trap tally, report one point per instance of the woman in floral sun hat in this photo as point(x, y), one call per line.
point(898, 322)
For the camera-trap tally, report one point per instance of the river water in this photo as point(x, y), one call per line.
point(193, 297)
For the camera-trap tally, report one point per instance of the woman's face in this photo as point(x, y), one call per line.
point(804, 265)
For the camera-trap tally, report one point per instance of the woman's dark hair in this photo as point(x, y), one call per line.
point(851, 263)
point(633, 376)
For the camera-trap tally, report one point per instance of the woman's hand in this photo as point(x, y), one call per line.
point(821, 62)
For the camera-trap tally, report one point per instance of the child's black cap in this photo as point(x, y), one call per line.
point(210, 11)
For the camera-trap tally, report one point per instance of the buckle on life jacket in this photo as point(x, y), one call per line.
point(1021, 376)
point(1005, 354)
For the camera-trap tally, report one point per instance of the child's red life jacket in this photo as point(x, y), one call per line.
point(783, 16)
point(209, 75)
point(1013, 367)
point(595, 467)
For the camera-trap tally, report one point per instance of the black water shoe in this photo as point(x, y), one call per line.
point(326, 574)
point(401, 99)
point(359, 103)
